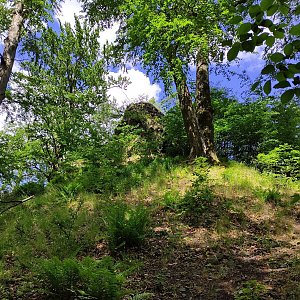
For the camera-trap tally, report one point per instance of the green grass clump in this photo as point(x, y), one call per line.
point(126, 226)
point(199, 199)
point(251, 290)
point(89, 278)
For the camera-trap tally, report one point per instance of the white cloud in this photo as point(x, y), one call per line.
point(68, 9)
point(109, 35)
point(253, 62)
point(140, 86)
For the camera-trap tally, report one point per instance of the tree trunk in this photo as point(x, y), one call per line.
point(204, 109)
point(190, 119)
point(10, 47)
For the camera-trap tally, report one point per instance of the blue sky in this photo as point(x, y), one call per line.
point(142, 85)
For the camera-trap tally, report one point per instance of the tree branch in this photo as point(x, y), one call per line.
point(15, 203)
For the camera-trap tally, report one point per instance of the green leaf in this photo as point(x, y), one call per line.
point(280, 76)
point(270, 41)
point(244, 28)
point(266, 23)
point(248, 46)
point(268, 69)
point(277, 57)
point(296, 44)
point(295, 30)
point(297, 92)
point(233, 52)
point(292, 68)
point(282, 84)
point(279, 34)
point(245, 37)
point(296, 80)
point(297, 10)
point(254, 10)
point(288, 49)
point(255, 85)
point(236, 20)
point(268, 87)
point(272, 10)
point(261, 38)
point(287, 96)
point(284, 9)
point(266, 4)
point(227, 42)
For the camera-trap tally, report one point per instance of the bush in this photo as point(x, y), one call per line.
point(199, 199)
point(29, 189)
point(96, 279)
point(61, 277)
point(175, 137)
point(126, 226)
point(251, 290)
point(195, 203)
point(283, 160)
point(273, 196)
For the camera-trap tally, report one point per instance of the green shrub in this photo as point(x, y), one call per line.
point(175, 137)
point(199, 198)
point(251, 290)
point(126, 226)
point(29, 189)
point(273, 196)
point(100, 279)
point(59, 229)
point(62, 277)
point(171, 199)
point(89, 278)
point(283, 160)
point(195, 203)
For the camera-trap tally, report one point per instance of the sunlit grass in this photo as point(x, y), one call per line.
point(238, 180)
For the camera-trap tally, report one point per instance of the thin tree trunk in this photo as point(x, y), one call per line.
point(189, 118)
point(10, 47)
point(204, 109)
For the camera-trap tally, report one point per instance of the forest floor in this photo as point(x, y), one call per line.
point(244, 244)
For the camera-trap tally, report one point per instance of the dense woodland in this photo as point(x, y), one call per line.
point(194, 196)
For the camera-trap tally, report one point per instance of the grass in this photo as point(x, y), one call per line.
point(236, 245)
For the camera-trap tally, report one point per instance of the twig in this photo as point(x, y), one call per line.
point(15, 203)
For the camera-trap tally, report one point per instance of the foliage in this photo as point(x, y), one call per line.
point(251, 290)
point(62, 95)
point(198, 200)
point(175, 138)
point(273, 24)
point(126, 226)
point(20, 159)
point(48, 229)
point(283, 160)
point(89, 278)
point(273, 196)
point(158, 32)
point(167, 38)
point(242, 130)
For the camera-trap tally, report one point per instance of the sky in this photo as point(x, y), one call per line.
point(142, 85)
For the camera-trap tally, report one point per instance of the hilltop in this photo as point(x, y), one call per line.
point(164, 229)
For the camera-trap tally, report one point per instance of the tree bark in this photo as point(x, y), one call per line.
point(190, 119)
point(10, 47)
point(204, 109)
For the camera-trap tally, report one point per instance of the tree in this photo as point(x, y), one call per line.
point(274, 24)
point(166, 37)
point(19, 18)
point(242, 130)
point(61, 96)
